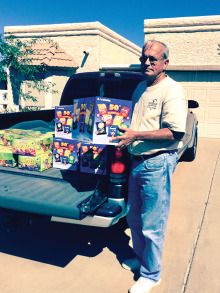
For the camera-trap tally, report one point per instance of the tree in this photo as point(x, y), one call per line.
point(16, 63)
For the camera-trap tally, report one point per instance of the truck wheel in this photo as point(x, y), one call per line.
point(190, 154)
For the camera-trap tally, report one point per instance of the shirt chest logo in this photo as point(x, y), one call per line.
point(152, 105)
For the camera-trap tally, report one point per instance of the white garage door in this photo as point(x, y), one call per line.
point(204, 87)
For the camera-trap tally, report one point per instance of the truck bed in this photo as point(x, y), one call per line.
point(53, 192)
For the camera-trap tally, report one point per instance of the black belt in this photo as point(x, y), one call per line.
point(145, 157)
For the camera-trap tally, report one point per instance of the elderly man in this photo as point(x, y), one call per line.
point(157, 127)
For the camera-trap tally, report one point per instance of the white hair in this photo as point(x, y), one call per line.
point(165, 48)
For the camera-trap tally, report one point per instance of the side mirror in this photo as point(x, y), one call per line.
point(193, 104)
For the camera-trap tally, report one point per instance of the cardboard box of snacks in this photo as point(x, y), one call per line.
point(79, 117)
point(93, 158)
point(66, 154)
point(102, 116)
point(7, 158)
point(38, 163)
point(7, 135)
point(33, 145)
point(64, 121)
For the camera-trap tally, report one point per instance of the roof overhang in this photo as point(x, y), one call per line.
point(72, 29)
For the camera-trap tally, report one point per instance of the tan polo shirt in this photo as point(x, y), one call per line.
point(160, 106)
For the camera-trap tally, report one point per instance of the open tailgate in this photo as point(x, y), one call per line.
point(59, 193)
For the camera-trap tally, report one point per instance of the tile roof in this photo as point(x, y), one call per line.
point(52, 55)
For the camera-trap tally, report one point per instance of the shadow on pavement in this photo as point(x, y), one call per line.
point(58, 243)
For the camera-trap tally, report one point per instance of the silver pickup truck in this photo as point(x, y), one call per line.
point(71, 196)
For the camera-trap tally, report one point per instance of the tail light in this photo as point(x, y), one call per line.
point(118, 166)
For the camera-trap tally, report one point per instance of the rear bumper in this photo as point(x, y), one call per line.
point(96, 221)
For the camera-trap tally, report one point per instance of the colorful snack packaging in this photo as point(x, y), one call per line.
point(59, 127)
point(112, 130)
point(79, 116)
point(124, 126)
point(90, 125)
point(66, 129)
point(118, 120)
point(101, 128)
point(100, 113)
point(7, 158)
point(66, 154)
point(74, 122)
point(108, 119)
point(38, 163)
point(33, 145)
point(71, 147)
point(124, 112)
point(88, 113)
point(64, 160)
point(81, 127)
point(7, 135)
point(69, 122)
point(102, 108)
point(60, 151)
point(71, 159)
point(64, 121)
point(59, 114)
point(93, 158)
point(57, 157)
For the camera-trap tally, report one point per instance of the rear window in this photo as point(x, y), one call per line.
point(112, 86)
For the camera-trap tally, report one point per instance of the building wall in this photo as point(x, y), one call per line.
point(40, 96)
point(90, 45)
point(60, 78)
point(114, 53)
point(75, 45)
point(191, 40)
point(194, 44)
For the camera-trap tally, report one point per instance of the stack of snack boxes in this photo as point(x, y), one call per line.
point(94, 121)
point(7, 157)
point(34, 150)
point(31, 150)
point(82, 134)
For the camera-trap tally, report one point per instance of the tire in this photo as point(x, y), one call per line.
point(190, 154)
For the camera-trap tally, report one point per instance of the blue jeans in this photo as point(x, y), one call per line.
point(148, 209)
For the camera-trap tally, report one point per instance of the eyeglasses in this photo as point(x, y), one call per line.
point(152, 59)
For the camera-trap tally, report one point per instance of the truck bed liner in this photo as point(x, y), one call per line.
point(52, 193)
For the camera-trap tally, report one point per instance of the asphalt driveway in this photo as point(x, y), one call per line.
point(56, 257)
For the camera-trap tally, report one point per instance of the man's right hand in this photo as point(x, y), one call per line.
point(126, 139)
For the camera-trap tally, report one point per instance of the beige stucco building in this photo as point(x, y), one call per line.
point(90, 44)
point(194, 44)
